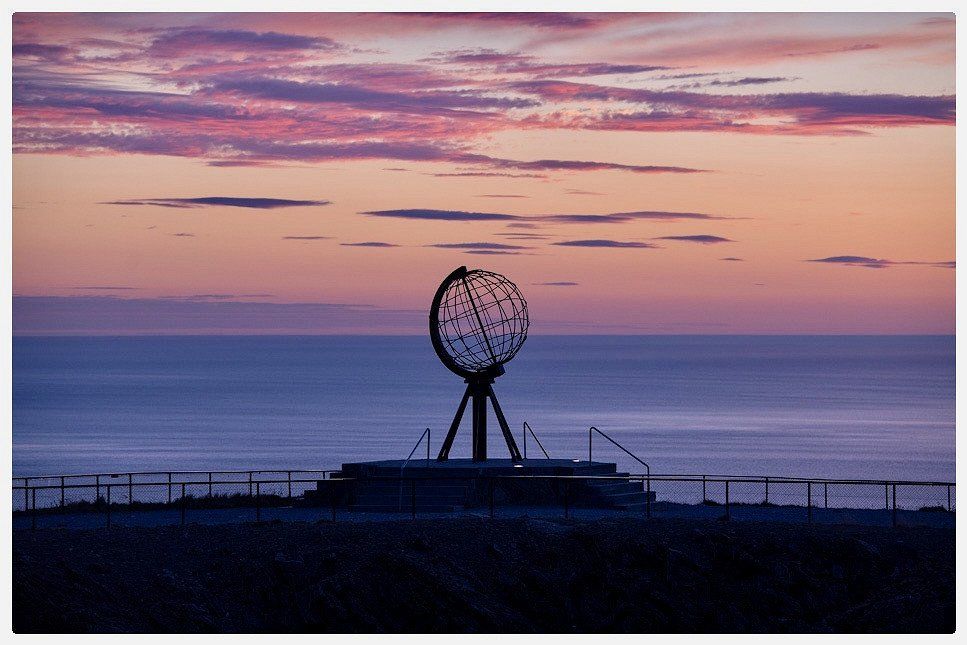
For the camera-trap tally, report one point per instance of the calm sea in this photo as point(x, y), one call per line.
point(842, 406)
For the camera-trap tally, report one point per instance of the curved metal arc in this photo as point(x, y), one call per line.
point(591, 432)
point(435, 339)
point(476, 311)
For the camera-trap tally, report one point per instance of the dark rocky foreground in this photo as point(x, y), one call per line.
point(481, 575)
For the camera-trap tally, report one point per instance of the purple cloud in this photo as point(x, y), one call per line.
point(553, 21)
point(364, 98)
point(880, 263)
point(738, 82)
point(54, 53)
point(433, 214)
point(375, 245)
point(732, 259)
point(479, 246)
point(492, 252)
point(521, 220)
point(611, 244)
point(618, 218)
point(555, 284)
point(516, 63)
point(179, 42)
point(238, 202)
point(490, 174)
point(699, 239)
point(679, 110)
point(560, 164)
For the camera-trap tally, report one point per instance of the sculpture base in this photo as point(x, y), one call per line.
point(459, 484)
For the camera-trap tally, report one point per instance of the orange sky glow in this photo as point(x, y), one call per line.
point(670, 173)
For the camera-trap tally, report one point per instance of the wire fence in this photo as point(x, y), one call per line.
point(228, 496)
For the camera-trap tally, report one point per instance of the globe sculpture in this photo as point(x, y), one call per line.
point(478, 322)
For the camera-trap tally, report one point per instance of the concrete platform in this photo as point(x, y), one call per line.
point(458, 484)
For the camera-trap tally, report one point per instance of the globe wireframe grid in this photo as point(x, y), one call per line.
point(482, 320)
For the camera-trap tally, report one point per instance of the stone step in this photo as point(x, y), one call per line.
point(407, 487)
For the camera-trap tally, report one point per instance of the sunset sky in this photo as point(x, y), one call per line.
point(632, 173)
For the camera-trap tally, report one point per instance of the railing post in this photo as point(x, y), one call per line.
point(27, 494)
point(948, 498)
point(289, 478)
point(109, 505)
point(428, 447)
point(184, 501)
point(97, 488)
point(728, 507)
point(33, 512)
point(250, 483)
point(209, 485)
point(809, 501)
point(648, 497)
point(590, 436)
point(767, 490)
point(704, 496)
point(62, 492)
point(413, 499)
point(130, 491)
point(825, 494)
point(894, 504)
point(525, 440)
point(258, 501)
point(169, 488)
point(886, 496)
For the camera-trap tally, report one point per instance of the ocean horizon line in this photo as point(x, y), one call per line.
point(170, 334)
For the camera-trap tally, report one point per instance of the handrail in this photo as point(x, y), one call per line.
point(426, 433)
point(630, 478)
point(179, 472)
point(591, 432)
point(527, 428)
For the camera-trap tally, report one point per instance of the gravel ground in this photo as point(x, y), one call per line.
point(469, 574)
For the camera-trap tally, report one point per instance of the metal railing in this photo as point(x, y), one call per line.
point(528, 429)
point(790, 499)
point(166, 482)
point(591, 432)
point(426, 433)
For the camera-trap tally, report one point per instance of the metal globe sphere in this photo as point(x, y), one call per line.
point(480, 319)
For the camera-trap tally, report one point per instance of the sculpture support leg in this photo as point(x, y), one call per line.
point(480, 394)
point(448, 442)
point(508, 437)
